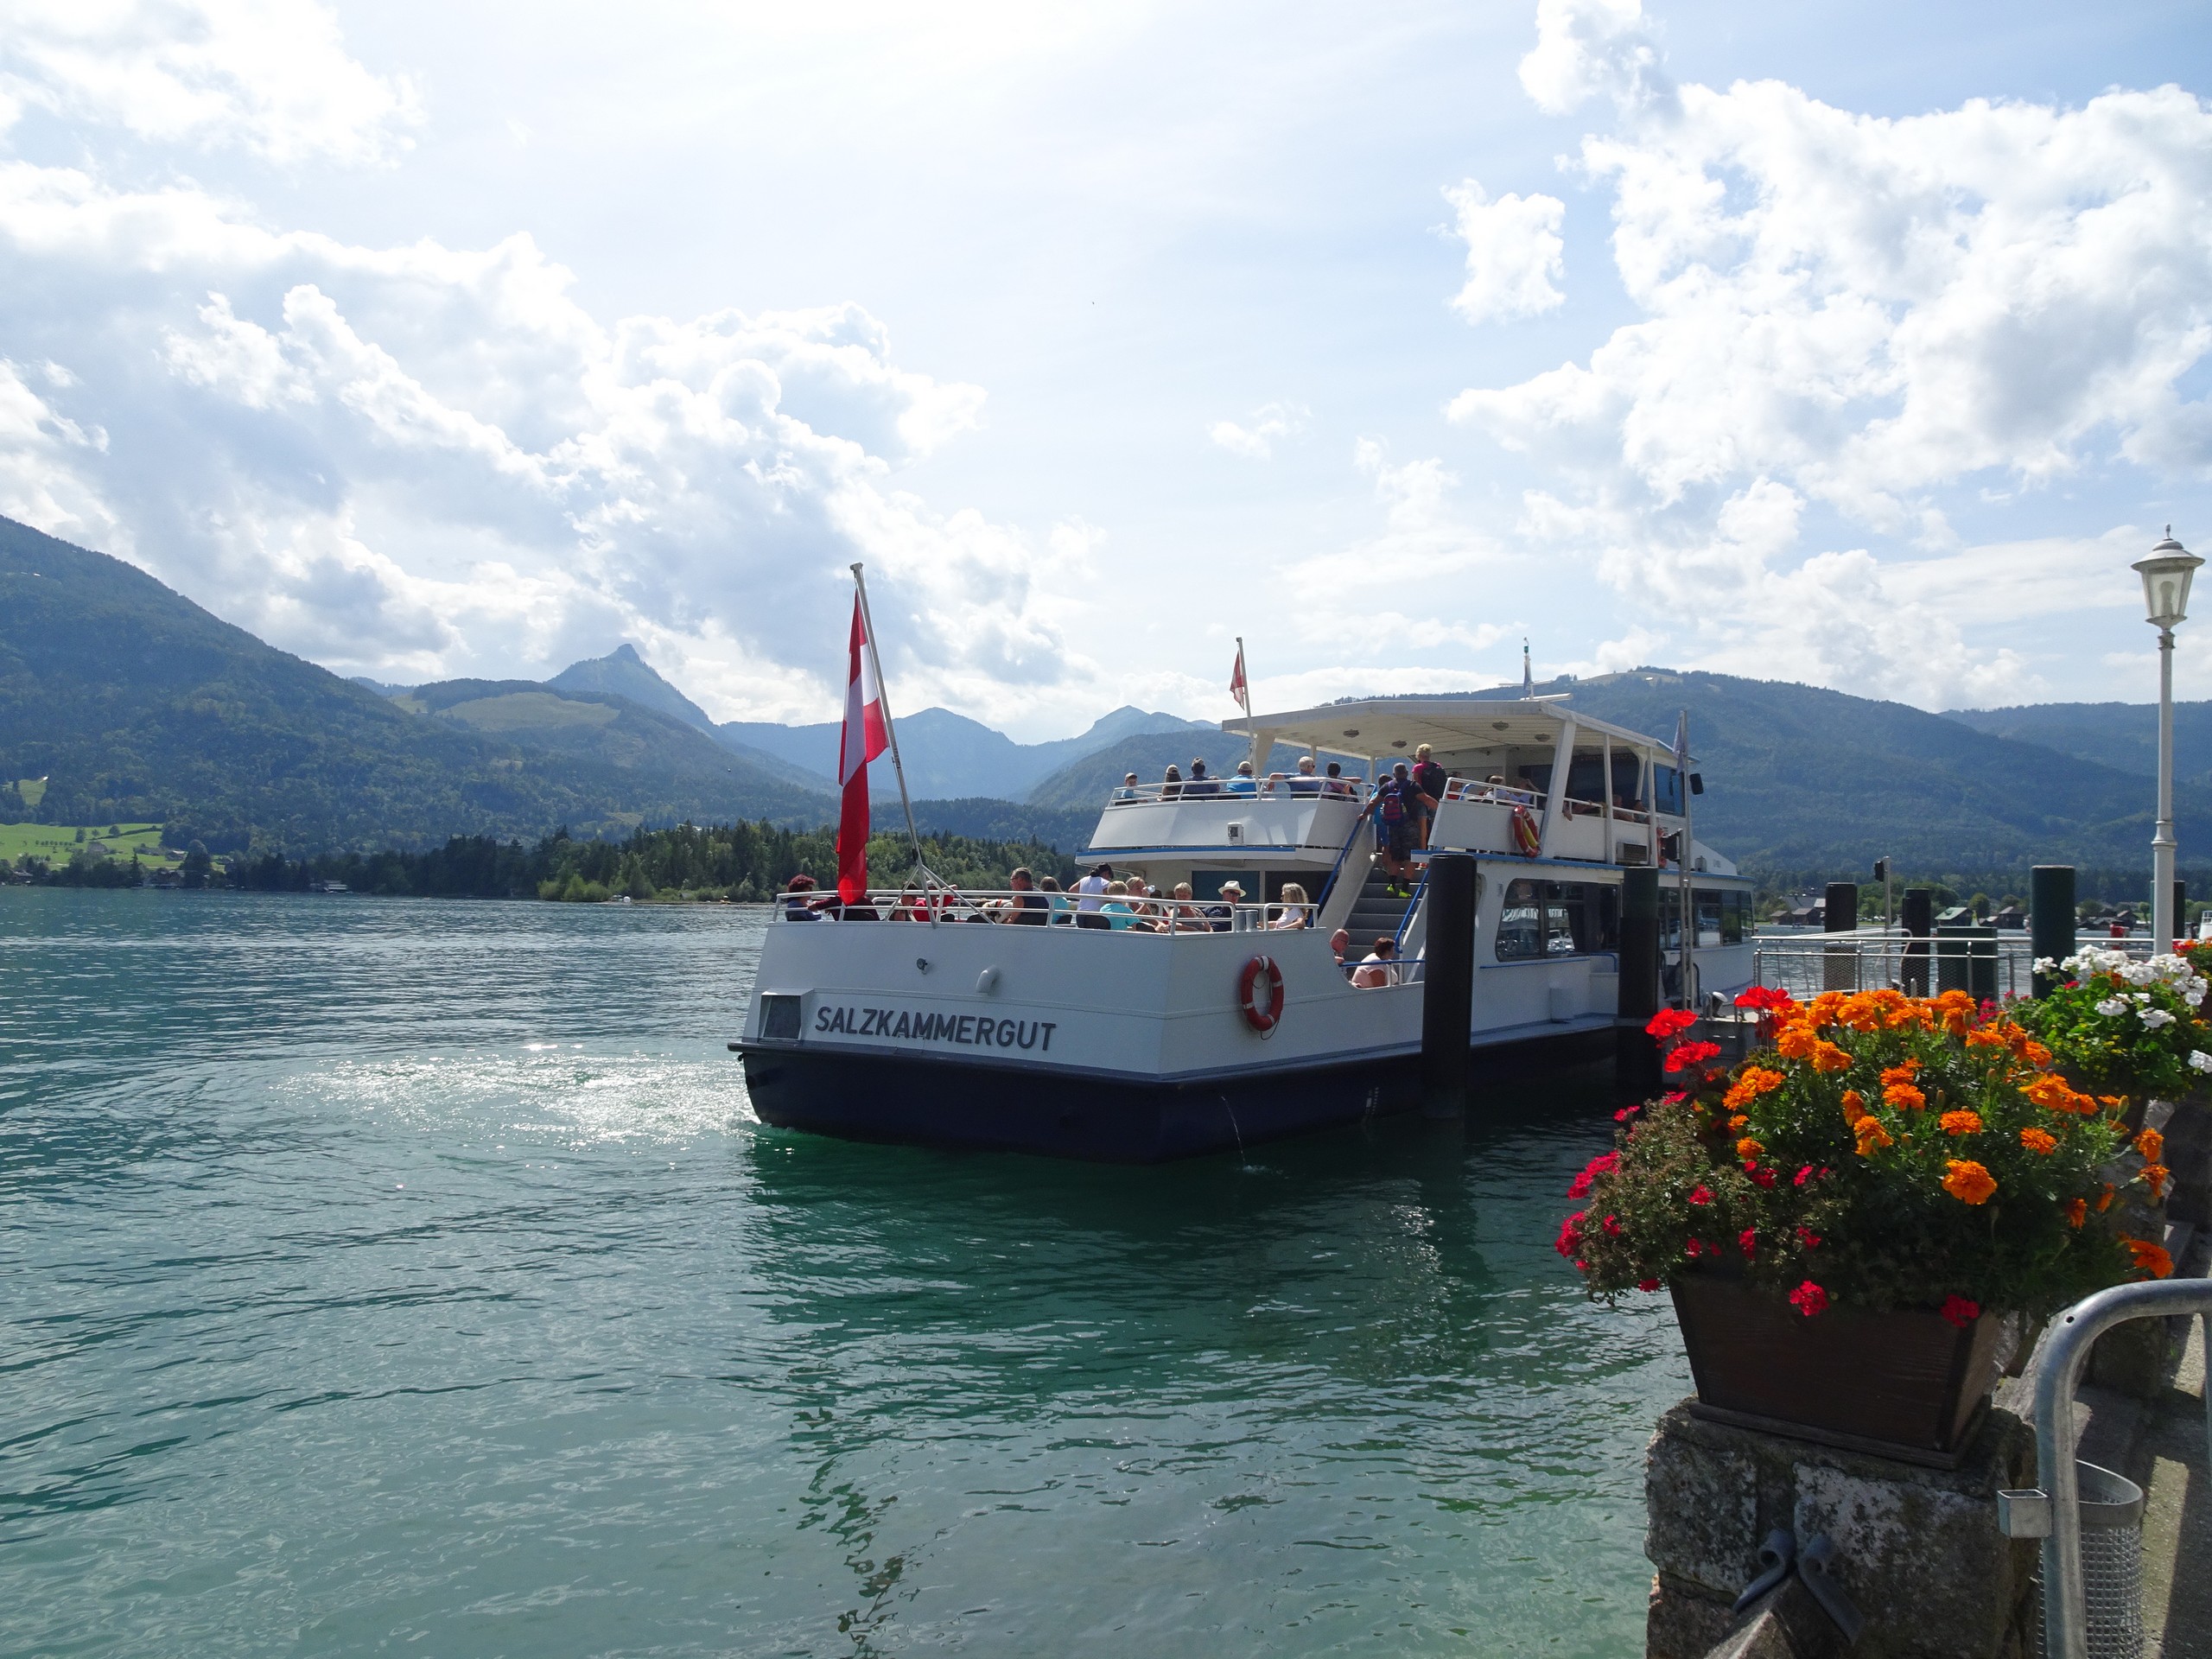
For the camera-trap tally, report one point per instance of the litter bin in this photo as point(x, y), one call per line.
point(2112, 1565)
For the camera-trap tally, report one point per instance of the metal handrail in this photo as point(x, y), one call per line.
point(1276, 786)
point(1162, 914)
point(2053, 1512)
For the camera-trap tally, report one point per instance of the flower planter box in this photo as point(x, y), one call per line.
point(1908, 1385)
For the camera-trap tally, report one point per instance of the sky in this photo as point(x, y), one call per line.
point(1862, 345)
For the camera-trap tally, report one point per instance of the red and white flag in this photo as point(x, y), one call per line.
point(1238, 689)
point(863, 740)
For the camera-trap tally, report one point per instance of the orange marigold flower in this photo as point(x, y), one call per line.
point(1904, 1095)
point(1968, 1182)
point(2041, 1140)
point(1796, 1041)
point(1855, 1105)
point(1871, 1135)
point(2157, 1175)
point(1755, 1081)
point(2150, 1258)
point(2077, 1212)
point(2104, 1200)
point(1748, 1147)
point(2151, 1145)
point(1987, 1037)
point(1956, 1009)
point(1827, 1057)
point(1738, 1121)
point(2035, 1053)
point(1902, 1073)
point(1961, 1122)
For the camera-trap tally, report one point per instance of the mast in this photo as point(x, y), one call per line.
point(890, 731)
point(1689, 844)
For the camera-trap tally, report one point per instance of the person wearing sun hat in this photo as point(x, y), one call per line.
point(1222, 916)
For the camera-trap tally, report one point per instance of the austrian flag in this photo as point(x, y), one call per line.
point(864, 739)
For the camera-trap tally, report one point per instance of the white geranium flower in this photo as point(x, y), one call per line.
point(2111, 1005)
point(2156, 1017)
point(2200, 1061)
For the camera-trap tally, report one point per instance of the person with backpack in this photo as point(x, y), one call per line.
point(1429, 783)
point(1394, 810)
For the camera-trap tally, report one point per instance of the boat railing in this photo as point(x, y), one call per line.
point(1113, 913)
point(1994, 965)
point(1238, 790)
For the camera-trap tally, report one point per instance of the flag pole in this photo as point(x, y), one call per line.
point(1244, 700)
point(1689, 893)
point(890, 731)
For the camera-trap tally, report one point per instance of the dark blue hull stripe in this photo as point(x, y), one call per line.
point(866, 1097)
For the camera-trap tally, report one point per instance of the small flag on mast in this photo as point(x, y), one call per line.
point(863, 738)
point(1527, 674)
point(1237, 687)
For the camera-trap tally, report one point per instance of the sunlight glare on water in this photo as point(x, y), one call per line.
point(389, 1275)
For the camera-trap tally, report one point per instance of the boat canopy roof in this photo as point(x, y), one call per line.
point(1394, 726)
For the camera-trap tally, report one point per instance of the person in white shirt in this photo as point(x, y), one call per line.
point(1379, 967)
point(1090, 895)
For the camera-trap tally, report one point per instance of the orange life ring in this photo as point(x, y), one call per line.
point(1261, 1009)
point(1526, 835)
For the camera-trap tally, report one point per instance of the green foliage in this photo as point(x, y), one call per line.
point(2119, 1026)
point(1886, 1152)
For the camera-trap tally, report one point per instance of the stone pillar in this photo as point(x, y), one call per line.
point(1918, 1551)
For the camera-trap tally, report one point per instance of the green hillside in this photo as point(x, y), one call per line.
point(1801, 780)
point(2124, 735)
point(136, 705)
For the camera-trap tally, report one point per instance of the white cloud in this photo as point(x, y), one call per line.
point(1847, 321)
point(269, 76)
point(1589, 48)
point(1268, 424)
point(1514, 253)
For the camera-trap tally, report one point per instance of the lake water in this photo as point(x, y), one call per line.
point(385, 1276)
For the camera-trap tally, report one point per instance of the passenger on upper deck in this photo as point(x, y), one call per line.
point(1090, 893)
point(1172, 785)
point(1202, 783)
point(1306, 783)
point(1429, 778)
point(1243, 783)
point(1335, 783)
point(1121, 915)
point(1221, 917)
point(1495, 783)
point(1188, 916)
point(1128, 791)
point(1029, 907)
point(800, 904)
point(1293, 909)
point(1340, 947)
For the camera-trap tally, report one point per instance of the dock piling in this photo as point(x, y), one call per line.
point(2051, 917)
point(1447, 986)
point(1636, 1057)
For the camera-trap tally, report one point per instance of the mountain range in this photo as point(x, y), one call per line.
point(134, 704)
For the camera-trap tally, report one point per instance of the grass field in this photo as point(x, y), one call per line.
point(55, 842)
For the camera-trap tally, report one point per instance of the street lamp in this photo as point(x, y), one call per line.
point(2165, 575)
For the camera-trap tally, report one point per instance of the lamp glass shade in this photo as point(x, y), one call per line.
point(2166, 576)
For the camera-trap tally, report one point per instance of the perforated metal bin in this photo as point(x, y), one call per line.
point(2112, 1565)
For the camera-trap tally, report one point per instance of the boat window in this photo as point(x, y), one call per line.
point(1519, 922)
point(1723, 918)
point(1627, 780)
point(1585, 778)
point(1566, 919)
point(1668, 787)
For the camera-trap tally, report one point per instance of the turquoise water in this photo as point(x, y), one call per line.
point(401, 1276)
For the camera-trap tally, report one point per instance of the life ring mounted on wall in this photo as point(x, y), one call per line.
point(1526, 835)
point(1259, 994)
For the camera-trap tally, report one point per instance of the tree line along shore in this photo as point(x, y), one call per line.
point(739, 863)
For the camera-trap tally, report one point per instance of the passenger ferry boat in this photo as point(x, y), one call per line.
point(1220, 1028)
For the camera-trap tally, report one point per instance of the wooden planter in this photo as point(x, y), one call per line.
point(1908, 1385)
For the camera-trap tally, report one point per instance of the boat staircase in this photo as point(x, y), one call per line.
point(1376, 912)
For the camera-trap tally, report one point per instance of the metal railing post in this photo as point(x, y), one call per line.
point(2058, 1372)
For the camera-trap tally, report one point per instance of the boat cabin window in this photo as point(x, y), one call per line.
point(1541, 920)
point(1723, 918)
point(1628, 779)
point(1585, 778)
point(1666, 785)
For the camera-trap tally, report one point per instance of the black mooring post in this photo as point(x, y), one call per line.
point(1448, 978)
point(2051, 917)
point(1636, 1057)
point(1839, 907)
point(1919, 917)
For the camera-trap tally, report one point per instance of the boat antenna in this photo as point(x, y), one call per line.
point(890, 731)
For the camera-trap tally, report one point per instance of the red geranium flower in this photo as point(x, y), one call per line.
point(1646, 1284)
point(1701, 1195)
point(1748, 1241)
point(1760, 1173)
point(1764, 997)
point(1693, 1248)
point(1570, 1234)
point(1669, 1022)
point(1804, 1175)
point(1612, 1226)
point(1810, 1241)
point(1808, 1298)
point(1676, 1098)
point(1959, 1311)
point(1689, 1054)
point(1598, 1166)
